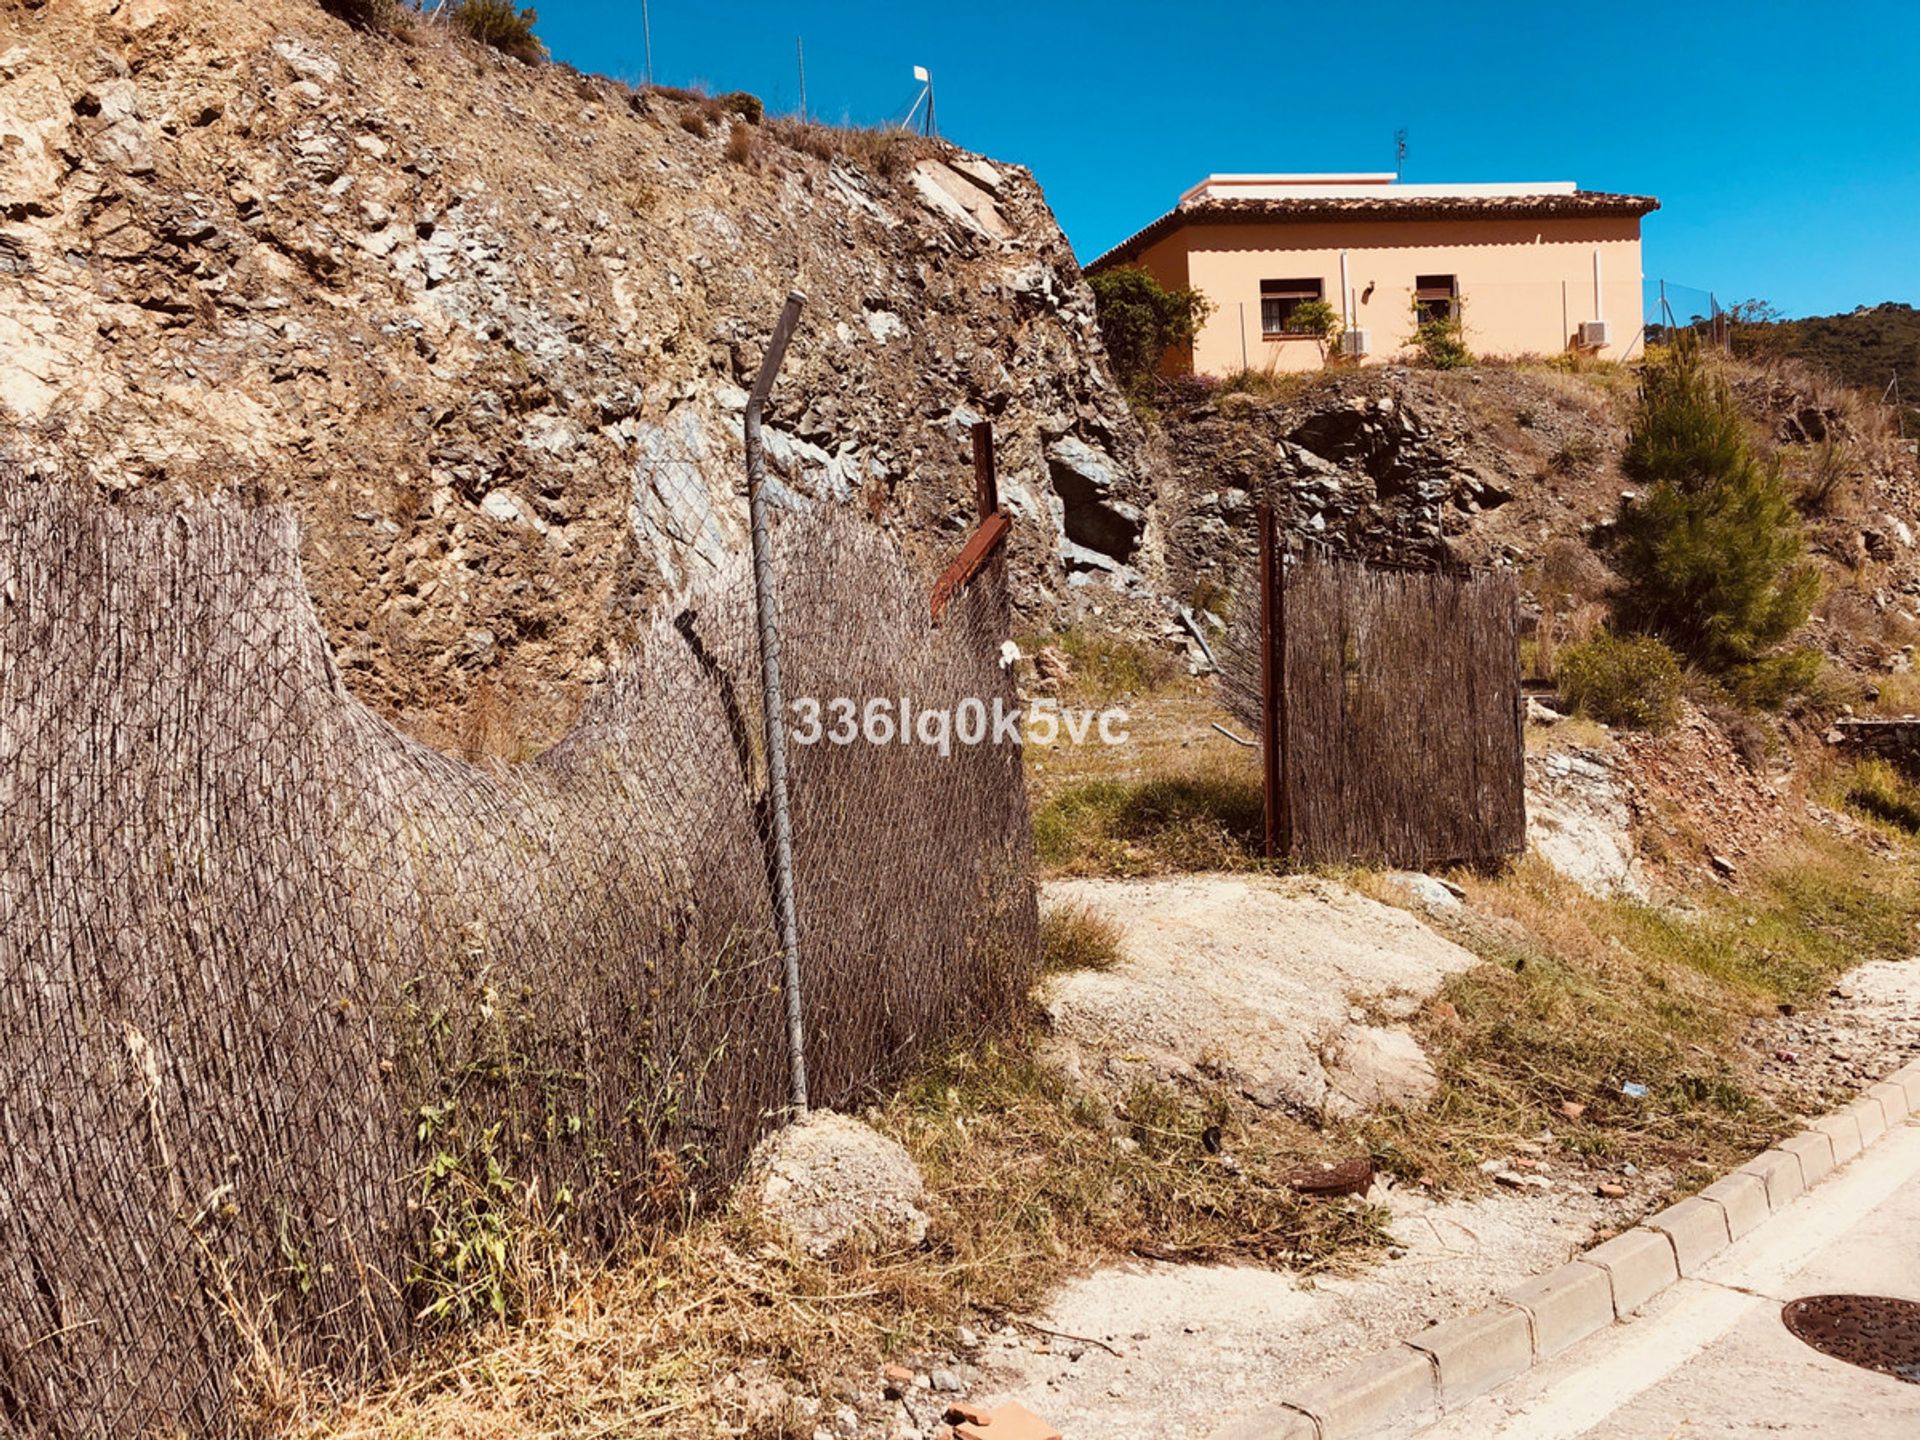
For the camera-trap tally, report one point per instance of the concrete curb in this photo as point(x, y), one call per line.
point(1397, 1390)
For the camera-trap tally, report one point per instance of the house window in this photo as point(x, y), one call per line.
point(1279, 299)
point(1436, 297)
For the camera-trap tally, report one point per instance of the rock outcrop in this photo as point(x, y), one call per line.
point(488, 327)
point(1261, 987)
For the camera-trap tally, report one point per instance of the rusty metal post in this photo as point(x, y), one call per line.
point(776, 724)
point(986, 487)
point(1272, 632)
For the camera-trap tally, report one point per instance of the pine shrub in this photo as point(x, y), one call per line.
point(1711, 554)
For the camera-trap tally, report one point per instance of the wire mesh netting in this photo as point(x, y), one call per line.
point(1399, 711)
point(307, 1030)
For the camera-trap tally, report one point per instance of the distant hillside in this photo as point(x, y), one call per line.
point(1866, 348)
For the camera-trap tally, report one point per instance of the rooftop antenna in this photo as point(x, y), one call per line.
point(926, 94)
point(1399, 152)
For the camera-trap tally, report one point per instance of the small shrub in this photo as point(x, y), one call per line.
point(1077, 937)
point(694, 122)
point(1631, 680)
point(1141, 320)
point(498, 24)
point(1441, 340)
point(1828, 478)
point(1774, 681)
point(1575, 453)
point(367, 14)
point(738, 102)
point(1318, 319)
point(885, 152)
point(740, 145)
point(1875, 788)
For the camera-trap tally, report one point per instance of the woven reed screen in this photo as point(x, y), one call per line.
point(303, 1024)
point(1402, 711)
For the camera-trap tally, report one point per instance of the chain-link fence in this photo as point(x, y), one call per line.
point(312, 1038)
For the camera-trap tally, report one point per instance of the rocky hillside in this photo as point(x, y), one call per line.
point(488, 327)
point(1518, 465)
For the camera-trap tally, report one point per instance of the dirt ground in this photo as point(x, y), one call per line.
point(1183, 1349)
point(1199, 1345)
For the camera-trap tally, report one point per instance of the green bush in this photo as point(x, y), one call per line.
point(499, 24)
point(1318, 319)
point(748, 107)
point(1712, 555)
point(1631, 680)
point(1140, 320)
point(1772, 681)
point(1442, 341)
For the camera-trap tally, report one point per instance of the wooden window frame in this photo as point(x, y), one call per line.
point(1295, 290)
point(1426, 293)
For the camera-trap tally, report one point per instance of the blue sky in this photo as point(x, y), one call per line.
point(1782, 140)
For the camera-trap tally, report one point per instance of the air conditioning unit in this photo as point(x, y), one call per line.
point(1355, 342)
point(1594, 335)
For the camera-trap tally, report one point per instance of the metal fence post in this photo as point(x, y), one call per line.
point(776, 728)
point(1272, 705)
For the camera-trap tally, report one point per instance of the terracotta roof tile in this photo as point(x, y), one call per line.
point(1371, 207)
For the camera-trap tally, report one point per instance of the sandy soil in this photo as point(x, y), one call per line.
point(1199, 1345)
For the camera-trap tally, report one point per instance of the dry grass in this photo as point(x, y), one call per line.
point(1206, 816)
point(718, 1329)
point(1108, 668)
point(886, 151)
point(1580, 995)
point(1077, 937)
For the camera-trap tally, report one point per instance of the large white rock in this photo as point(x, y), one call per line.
point(1579, 820)
point(1249, 983)
point(828, 1181)
point(1373, 1066)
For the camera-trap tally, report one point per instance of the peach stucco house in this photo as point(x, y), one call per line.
point(1530, 269)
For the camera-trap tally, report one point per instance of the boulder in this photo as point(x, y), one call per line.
point(828, 1181)
point(1374, 1066)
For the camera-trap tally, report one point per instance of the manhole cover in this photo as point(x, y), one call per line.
point(1870, 1331)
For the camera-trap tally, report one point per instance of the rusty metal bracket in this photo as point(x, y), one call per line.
point(987, 537)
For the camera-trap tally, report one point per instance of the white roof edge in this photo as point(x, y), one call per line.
point(1377, 186)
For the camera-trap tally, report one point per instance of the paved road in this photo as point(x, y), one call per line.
point(1710, 1357)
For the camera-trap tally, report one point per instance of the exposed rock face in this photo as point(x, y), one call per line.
point(1386, 464)
point(1250, 984)
point(489, 327)
point(829, 1181)
point(1579, 819)
point(1374, 1066)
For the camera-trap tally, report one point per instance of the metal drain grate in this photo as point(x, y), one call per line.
point(1871, 1331)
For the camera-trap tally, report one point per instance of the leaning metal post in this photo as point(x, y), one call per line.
point(1269, 734)
point(770, 695)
